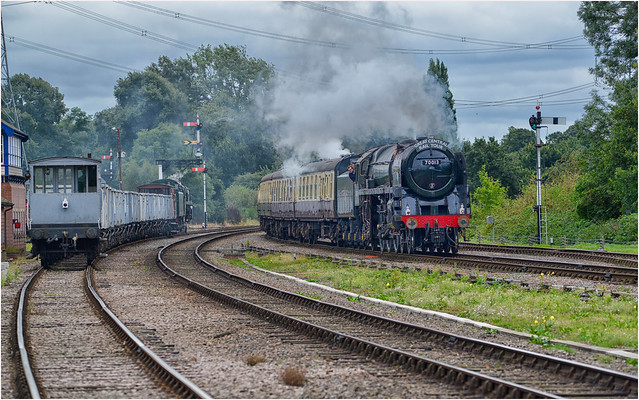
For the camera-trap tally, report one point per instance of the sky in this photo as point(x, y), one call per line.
point(503, 58)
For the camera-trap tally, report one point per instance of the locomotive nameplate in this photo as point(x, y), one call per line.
point(431, 143)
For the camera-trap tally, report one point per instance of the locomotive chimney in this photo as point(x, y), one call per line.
point(89, 155)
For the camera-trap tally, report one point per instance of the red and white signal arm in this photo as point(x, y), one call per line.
point(198, 169)
point(106, 157)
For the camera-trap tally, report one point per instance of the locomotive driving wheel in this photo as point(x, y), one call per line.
point(410, 241)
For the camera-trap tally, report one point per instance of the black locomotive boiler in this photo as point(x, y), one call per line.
point(403, 197)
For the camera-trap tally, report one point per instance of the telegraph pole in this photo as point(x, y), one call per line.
point(535, 122)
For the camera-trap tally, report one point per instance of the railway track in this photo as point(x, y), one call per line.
point(476, 367)
point(622, 259)
point(72, 346)
point(596, 271)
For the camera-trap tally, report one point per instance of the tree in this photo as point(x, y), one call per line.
point(228, 77)
point(40, 108)
point(608, 187)
point(438, 70)
point(490, 156)
point(611, 27)
point(146, 99)
point(488, 196)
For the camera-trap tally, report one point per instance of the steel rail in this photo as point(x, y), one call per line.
point(180, 385)
point(583, 271)
point(28, 376)
point(625, 259)
point(612, 378)
point(479, 383)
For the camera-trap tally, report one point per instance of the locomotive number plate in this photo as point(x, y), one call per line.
point(431, 162)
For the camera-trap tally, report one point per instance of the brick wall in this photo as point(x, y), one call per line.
point(12, 236)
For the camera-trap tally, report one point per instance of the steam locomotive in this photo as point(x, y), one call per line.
point(71, 210)
point(403, 197)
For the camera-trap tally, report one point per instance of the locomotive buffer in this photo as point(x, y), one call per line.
point(536, 124)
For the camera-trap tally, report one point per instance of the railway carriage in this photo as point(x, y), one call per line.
point(71, 210)
point(403, 197)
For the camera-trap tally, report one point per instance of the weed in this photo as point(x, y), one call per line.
point(560, 346)
point(12, 273)
point(541, 331)
point(356, 299)
point(631, 361)
point(491, 331)
point(293, 376)
point(604, 358)
point(310, 295)
point(254, 360)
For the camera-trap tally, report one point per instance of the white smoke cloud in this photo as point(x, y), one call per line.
point(354, 92)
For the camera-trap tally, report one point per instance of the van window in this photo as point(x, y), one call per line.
point(82, 179)
point(38, 180)
point(93, 178)
point(48, 180)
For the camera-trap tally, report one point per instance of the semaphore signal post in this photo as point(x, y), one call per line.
point(536, 122)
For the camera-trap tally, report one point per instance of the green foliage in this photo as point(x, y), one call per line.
point(146, 100)
point(496, 161)
point(611, 27)
point(551, 314)
point(228, 76)
point(488, 198)
point(609, 167)
point(438, 70)
point(134, 173)
point(244, 199)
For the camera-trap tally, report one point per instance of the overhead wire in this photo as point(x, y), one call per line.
point(69, 55)
point(122, 25)
point(185, 17)
point(466, 104)
point(503, 46)
point(323, 8)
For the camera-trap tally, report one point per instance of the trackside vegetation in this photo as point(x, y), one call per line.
point(545, 314)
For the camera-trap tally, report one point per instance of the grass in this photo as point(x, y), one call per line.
point(253, 360)
point(14, 267)
point(293, 376)
point(548, 314)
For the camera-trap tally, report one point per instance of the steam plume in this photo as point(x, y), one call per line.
point(355, 92)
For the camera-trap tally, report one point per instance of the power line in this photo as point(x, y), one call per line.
point(69, 56)
point(466, 104)
point(549, 45)
point(235, 28)
point(504, 46)
point(122, 25)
